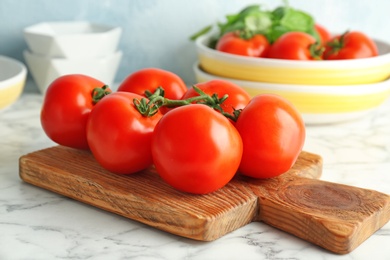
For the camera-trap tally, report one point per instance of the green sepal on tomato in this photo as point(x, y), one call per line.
point(66, 107)
point(149, 79)
point(237, 99)
point(196, 149)
point(119, 136)
point(350, 45)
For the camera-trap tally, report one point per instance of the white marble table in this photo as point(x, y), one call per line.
point(38, 224)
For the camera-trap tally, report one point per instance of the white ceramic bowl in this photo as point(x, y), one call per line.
point(44, 70)
point(12, 80)
point(318, 104)
point(72, 39)
point(324, 72)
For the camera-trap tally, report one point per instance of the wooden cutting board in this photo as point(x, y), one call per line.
point(333, 216)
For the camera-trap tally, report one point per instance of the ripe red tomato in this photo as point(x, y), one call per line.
point(231, 42)
point(350, 45)
point(119, 136)
point(196, 149)
point(294, 46)
point(152, 78)
point(273, 135)
point(238, 97)
point(66, 108)
point(323, 33)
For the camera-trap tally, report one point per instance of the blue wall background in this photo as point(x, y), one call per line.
point(155, 32)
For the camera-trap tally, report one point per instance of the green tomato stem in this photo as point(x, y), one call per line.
point(157, 100)
point(337, 44)
point(316, 51)
point(99, 93)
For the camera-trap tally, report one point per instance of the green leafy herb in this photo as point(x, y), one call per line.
point(201, 32)
point(251, 20)
point(287, 19)
point(271, 23)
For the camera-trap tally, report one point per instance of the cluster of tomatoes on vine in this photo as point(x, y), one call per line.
point(197, 138)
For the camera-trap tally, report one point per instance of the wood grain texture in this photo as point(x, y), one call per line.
point(333, 216)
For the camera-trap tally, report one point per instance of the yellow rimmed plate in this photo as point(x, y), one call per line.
point(318, 104)
point(335, 72)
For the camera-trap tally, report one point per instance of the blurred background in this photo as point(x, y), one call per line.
point(156, 32)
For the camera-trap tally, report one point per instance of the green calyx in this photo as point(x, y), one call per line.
point(99, 93)
point(336, 44)
point(150, 106)
point(316, 51)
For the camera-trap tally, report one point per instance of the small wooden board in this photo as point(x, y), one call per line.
point(334, 216)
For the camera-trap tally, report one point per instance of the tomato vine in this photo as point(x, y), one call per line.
point(157, 100)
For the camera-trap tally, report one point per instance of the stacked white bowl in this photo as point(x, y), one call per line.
point(72, 47)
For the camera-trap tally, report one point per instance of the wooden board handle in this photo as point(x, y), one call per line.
point(334, 216)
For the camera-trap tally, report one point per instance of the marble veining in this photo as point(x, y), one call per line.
point(39, 224)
